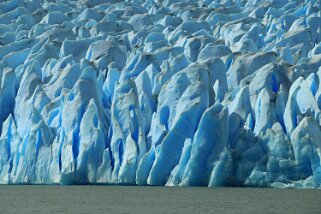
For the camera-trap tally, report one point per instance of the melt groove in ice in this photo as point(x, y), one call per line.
point(177, 93)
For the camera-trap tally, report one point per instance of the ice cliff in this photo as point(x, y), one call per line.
point(161, 92)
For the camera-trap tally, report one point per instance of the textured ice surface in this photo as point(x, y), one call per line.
point(178, 93)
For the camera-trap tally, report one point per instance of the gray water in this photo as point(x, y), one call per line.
point(132, 199)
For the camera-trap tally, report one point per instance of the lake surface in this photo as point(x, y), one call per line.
point(133, 199)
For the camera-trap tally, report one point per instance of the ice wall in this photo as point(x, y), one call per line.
point(177, 93)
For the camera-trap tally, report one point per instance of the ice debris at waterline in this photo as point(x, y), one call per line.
point(177, 93)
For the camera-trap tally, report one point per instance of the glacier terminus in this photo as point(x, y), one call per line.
point(161, 92)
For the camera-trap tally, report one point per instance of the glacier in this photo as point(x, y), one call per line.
point(161, 92)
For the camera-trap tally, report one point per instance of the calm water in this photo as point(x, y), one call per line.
point(128, 199)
